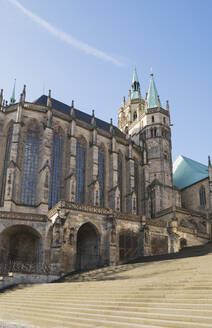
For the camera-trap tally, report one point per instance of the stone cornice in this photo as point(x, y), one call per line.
point(22, 216)
point(92, 209)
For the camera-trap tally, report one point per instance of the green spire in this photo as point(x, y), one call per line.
point(135, 86)
point(12, 99)
point(152, 96)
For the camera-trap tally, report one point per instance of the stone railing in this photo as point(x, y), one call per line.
point(17, 266)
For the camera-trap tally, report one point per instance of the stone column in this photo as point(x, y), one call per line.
point(44, 172)
point(173, 236)
point(13, 178)
point(113, 192)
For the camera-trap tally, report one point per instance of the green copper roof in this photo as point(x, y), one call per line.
point(12, 99)
point(187, 172)
point(152, 96)
point(135, 86)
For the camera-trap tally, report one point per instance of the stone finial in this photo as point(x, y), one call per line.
point(21, 98)
point(1, 98)
point(111, 125)
point(130, 95)
point(24, 93)
point(158, 101)
point(124, 101)
point(93, 119)
point(167, 105)
point(72, 111)
point(49, 100)
point(209, 161)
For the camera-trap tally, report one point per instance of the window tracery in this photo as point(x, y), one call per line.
point(30, 167)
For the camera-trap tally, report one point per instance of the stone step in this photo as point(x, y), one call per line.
point(110, 320)
point(130, 310)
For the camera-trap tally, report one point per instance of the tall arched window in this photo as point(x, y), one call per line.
point(6, 161)
point(80, 170)
point(202, 196)
point(120, 178)
point(56, 169)
point(29, 175)
point(136, 183)
point(152, 203)
point(101, 169)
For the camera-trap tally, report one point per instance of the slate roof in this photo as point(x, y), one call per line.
point(187, 172)
point(58, 105)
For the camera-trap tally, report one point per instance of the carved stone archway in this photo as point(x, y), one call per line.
point(21, 248)
point(88, 241)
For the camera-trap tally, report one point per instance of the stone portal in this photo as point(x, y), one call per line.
point(87, 247)
point(21, 246)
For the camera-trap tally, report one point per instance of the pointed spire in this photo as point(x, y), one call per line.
point(135, 86)
point(152, 96)
point(12, 99)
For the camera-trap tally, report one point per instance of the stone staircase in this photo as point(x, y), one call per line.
point(167, 291)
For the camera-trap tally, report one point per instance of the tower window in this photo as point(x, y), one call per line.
point(202, 197)
point(152, 134)
point(164, 120)
point(134, 116)
point(153, 119)
point(155, 132)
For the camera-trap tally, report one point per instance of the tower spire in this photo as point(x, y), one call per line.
point(152, 95)
point(135, 86)
point(12, 99)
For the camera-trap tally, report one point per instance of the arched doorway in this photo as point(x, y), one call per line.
point(21, 248)
point(183, 243)
point(87, 247)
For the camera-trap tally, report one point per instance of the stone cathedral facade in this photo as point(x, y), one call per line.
point(78, 193)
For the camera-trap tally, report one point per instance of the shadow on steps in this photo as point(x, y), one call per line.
point(107, 273)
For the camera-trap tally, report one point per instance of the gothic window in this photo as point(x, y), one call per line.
point(80, 170)
point(164, 120)
point(153, 119)
point(155, 132)
point(152, 202)
point(6, 160)
point(56, 169)
point(202, 197)
point(134, 116)
point(136, 185)
point(101, 171)
point(152, 134)
point(29, 175)
point(120, 173)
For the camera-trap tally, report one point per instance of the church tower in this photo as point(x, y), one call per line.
point(148, 124)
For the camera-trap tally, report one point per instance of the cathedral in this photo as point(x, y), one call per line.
point(77, 193)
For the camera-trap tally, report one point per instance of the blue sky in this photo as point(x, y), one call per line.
point(171, 36)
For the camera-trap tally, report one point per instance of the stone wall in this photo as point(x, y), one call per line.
point(191, 198)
